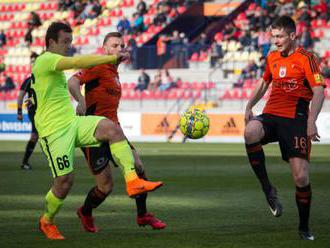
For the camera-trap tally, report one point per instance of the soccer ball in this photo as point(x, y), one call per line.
point(194, 123)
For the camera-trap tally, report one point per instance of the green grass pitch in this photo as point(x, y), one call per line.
point(211, 198)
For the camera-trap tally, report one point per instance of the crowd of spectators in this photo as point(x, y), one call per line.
point(82, 9)
point(162, 81)
point(250, 28)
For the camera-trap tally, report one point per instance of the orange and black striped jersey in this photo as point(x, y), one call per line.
point(102, 90)
point(292, 79)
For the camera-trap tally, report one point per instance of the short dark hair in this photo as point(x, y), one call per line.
point(54, 29)
point(285, 22)
point(112, 34)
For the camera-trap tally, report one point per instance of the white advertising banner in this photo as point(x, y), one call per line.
point(130, 122)
point(323, 126)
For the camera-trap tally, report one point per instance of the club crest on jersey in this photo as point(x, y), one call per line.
point(282, 72)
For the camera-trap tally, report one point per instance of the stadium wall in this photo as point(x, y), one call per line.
point(157, 127)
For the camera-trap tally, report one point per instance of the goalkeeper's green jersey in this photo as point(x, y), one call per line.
point(49, 87)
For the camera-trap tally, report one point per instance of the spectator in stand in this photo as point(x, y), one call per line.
point(161, 49)
point(77, 8)
point(177, 48)
point(167, 81)
point(161, 16)
point(306, 40)
point(246, 40)
point(34, 20)
point(138, 23)
point(322, 9)
point(154, 84)
point(254, 40)
point(249, 72)
point(8, 84)
point(92, 9)
point(132, 49)
point(3, 38)
point(143, 81)
point(264, 41)
point(124, 26)
point(141, 7)
point(303, 14)
point(203, 43)
point(64, 5)
point(229, 31)
point(284, 7)
point(216, 53)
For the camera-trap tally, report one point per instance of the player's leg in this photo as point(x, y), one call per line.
point(258, 131)
point(30, 145)
point(111, 132)
point(97, 158)
point(300, 172)
point(295, 147)
point(253, 134)
point(59, 150)
point(143, 217)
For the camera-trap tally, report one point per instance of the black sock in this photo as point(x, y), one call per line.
point(257, 160)
point(28, 151)
point(141, 200)
point(303, 200)
point(94, 198)
point(141, 204)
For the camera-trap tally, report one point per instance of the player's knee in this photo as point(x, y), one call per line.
point(301, 179)
point(63, 185)
point(109, 131)
point(249, 134)
point(252, 133)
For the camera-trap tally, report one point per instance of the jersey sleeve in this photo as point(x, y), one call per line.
point(267, 77)
point(87, 75)
point(51, 61)
point(312, 72)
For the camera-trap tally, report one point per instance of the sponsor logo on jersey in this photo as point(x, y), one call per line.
point(287, 86)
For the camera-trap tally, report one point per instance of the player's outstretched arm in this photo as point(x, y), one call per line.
point(257, 94)
point(315, 109)
point(85, 61)
point(74, 88)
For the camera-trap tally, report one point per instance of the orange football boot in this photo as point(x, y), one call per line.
point(49, 229)
point(139, 186)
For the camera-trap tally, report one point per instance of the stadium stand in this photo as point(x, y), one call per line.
point(220, 49)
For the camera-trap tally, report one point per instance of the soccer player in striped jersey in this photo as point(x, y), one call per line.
point(102, 96)
point(289, 117)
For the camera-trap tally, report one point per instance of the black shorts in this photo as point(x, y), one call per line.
point(31, 113)
point(290, 133)
point(99, 157)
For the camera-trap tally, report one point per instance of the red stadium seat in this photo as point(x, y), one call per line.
point(194, 57)
point(226, 95)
